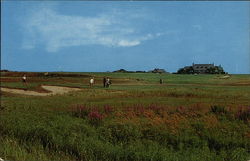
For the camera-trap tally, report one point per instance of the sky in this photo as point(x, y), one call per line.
point(100, 36)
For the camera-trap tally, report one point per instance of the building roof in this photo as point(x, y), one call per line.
point(203, 64)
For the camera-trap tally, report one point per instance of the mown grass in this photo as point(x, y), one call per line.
point(188, 118)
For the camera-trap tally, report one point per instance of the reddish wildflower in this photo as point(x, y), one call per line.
point(174, 121)
point(149, 113)
point(181, 110)
point(79, 110)
point(157, 109)
point(243, 113)
point(95, 115)
point(107, 109)
point(139, 110)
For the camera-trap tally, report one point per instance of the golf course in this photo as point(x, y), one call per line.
point(58, 116)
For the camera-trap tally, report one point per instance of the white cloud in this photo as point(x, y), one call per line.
point(128, 43)
point(55, 31)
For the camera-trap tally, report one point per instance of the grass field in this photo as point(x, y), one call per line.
point(187, 118)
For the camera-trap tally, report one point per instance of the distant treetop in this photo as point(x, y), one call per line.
point(156, 70)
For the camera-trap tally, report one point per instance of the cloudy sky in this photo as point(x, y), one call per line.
point(106, 36)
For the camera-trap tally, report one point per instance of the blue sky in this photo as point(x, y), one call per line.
point(106, 36)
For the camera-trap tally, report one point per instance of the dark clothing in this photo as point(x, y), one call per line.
point(108, 82)
point(104, 82)
point(161, 81)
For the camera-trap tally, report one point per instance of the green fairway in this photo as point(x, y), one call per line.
point(187, 118)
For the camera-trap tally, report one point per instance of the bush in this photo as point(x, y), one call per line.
point(218, 110)
point(243, 114)
point(107, 109)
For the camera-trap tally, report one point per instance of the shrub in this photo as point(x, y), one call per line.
point(139, 110)
point(218, 110)
point(156, 108)
point(107, 109)
point(243, 114)
point(181, 110)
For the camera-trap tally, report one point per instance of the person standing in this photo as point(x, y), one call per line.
point(24, 80)
point(161, 81)
point(104, 82)
point(91, 82)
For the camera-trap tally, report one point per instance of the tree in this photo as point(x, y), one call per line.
point(186, 70)
point(215, 70)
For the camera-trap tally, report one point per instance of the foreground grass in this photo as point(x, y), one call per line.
point(132, 120)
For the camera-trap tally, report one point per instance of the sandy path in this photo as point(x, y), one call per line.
point(54, 90)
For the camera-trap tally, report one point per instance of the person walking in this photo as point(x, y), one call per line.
point(108, 82)
point(91, 82)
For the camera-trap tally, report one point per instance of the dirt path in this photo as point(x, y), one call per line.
point(54, 90)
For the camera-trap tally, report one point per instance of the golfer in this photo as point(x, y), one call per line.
point(104, 81)
point(91, 82)
point(24, 80)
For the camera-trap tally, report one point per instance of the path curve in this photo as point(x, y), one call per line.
point(53, 90)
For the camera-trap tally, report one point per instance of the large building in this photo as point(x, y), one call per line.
point(201, 69)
